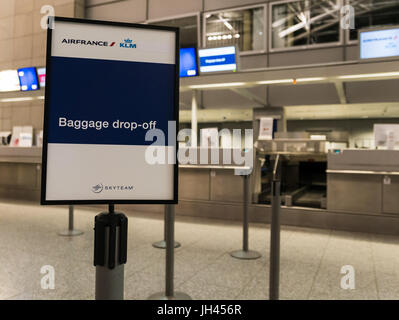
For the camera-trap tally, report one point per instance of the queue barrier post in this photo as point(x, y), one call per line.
point(162, 244)
point(71, 231)
point(274, 273)
point(169, 293)
point(245, 253)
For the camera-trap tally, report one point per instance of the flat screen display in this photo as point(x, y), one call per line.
point(218, 59)
point(41, 73)
point(379, 44)
point(9, 80)
point(28, 79)
point(188, 62)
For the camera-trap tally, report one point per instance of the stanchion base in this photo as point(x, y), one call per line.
point(70, 233)
point(162, 244)
point(245, 255)
point(176, 296)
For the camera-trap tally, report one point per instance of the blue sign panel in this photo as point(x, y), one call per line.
point(188, 62)
point(28, 79)
point(100, 130)
point(217, 59)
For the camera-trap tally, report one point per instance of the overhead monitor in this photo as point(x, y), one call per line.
point(41, 73)
point(379, 44)
point(218, 59)
point(386, 135)
point(9, 81)
point(188, 62)
point(28, 79)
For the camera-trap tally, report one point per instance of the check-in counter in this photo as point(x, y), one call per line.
point(221, 181)
point(363, 181)
point(20, 171)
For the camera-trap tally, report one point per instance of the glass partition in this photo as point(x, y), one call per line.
point(373, 13)
point(304, 23)
point(241, 27)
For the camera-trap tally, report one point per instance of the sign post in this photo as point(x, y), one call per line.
point(111, 113)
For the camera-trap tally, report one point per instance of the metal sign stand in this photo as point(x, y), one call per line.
point(162, 244)
point(169, 293)
point(274, 274)
point(110, 254)
point(70, 232)
point(245, 253)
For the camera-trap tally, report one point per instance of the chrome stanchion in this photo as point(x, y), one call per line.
point(162, 244)
point(245, 253)
point(169, 293)
point(70, 232)
point(274, 274)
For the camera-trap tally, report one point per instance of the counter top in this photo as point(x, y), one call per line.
point(365, 160)
point(21, 154)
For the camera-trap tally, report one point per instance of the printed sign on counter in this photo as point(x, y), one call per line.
point(108, 84)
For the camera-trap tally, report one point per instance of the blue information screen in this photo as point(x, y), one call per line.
point(28, 79)
point(188, 62)
point(217, 59)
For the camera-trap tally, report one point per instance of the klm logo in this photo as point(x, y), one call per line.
point(127, 43)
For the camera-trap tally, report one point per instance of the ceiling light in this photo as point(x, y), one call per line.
point(16, 99)
point(275, 81)
point(217, 85)
point(310, 79)
point(370, 75)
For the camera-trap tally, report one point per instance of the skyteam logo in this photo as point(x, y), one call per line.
point(98, 188)
point(127, 43)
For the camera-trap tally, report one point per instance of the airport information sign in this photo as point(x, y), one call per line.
point(108, 85)
point(376, 44)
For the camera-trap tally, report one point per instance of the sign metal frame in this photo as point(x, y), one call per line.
point(43, 200)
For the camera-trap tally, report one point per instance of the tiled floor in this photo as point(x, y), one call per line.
point(311, 260)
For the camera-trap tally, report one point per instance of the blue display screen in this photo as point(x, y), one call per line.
point(28, 79)
point(188, 62)
point(217, 59)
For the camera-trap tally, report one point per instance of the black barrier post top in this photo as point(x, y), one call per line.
point(112, 221)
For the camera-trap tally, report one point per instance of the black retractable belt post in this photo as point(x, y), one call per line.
point(110, 254)
point(274, 274)
point(162, 244)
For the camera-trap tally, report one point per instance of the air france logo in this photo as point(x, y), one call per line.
point(98, 43)
point(127, 43)
point(97, 188)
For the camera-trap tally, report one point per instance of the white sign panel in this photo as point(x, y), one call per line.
point(379, 44)
point(266, 129)
point(108, 85)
